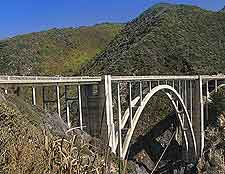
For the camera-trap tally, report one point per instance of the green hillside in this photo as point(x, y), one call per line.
point(56, 51)
point(166, 39)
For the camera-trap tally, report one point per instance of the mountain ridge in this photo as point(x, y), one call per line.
point(168, 39)
point(55, 51)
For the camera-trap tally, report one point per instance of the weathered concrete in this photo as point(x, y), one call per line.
point(197, 115)
point(93, 101)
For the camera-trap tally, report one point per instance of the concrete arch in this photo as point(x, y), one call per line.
point(166, 89)
point(218, 87)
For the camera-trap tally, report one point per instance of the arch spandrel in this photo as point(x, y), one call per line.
point(167, 90)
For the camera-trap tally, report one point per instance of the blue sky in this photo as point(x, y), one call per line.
point(24, 16)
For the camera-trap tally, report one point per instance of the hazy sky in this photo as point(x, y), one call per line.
point(24, 16)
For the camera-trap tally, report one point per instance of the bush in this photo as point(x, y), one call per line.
point(217, 108)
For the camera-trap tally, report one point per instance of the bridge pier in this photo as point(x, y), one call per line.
point(93, 102)
point(198, 115)
point(34, 101)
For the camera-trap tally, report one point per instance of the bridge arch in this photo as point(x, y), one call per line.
point(216, 88)
point(167, 90)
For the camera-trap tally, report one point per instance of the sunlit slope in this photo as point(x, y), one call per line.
point(166, 39)
point(56, 51)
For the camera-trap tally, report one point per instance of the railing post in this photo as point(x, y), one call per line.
point(185, 92)
point(179, 87)
point(150, 86)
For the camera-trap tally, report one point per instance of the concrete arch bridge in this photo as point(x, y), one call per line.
point(100, 110)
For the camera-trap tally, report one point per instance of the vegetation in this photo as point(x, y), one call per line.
point(217, 108)
point(32, 141)
point(212, 161)
point(214, 154)
point(166, 39)
point(56, 51)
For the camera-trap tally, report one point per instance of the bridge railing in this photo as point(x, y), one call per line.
point(35, 80)
point(39, 86)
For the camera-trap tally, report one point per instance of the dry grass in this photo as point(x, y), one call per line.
point(73, 156)
point(27, 148)
point(61, 156)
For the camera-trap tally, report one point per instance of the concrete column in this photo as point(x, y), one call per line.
point(67, 107)
point(130, 106)
point(150, 86)
point(6, 91)
point(119, 122)
point(34, 96)
point(141, 92)
point(109, 112)
point(92, 106)
point(198, 115)
point(58, 100)
point(207, 103)
point(216, 85)
point(43, 97)
point(191, 100)
point(80, 107)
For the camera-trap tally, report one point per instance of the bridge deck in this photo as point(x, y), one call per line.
point(40, 80)
point(47, 80)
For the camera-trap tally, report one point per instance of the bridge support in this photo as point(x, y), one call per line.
point(67, 106)
point(34, 102)
point(198, 115)
point(92, 106)
point(58, 100)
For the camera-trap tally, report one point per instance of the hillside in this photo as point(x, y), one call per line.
point(56, 51)
point(166, 39)
point(33, 141)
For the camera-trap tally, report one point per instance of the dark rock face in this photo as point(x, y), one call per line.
point(166, 39)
